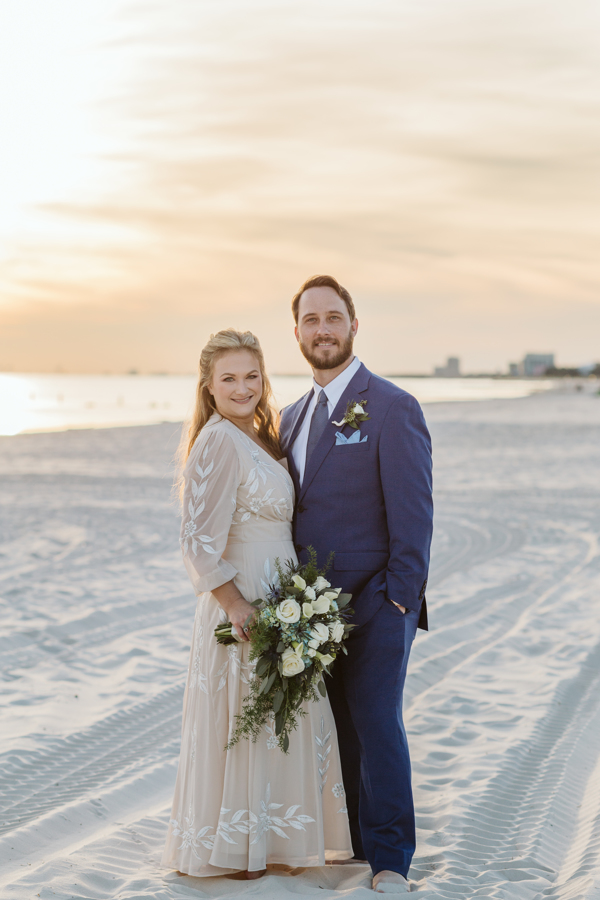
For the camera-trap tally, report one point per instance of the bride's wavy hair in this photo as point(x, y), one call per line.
point(266, 417)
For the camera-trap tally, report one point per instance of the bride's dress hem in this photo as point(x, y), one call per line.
point(292, 863)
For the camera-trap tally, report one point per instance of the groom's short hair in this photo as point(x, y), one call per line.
point(324, 281)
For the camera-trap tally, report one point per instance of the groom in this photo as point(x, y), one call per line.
point(364, 493)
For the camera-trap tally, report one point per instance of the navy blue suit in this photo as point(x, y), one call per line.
point(371, 503)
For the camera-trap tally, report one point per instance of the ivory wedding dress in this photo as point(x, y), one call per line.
point(251, 805)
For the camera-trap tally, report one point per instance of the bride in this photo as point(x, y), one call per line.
point(242, 809)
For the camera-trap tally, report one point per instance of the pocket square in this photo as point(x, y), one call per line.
point(354, 438)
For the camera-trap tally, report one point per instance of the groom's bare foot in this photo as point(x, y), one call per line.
point(252, 876)
point(387, 882)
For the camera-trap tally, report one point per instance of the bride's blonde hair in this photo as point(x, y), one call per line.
point(266, 418)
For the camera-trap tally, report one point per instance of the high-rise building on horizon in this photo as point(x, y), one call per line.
point(450, 370)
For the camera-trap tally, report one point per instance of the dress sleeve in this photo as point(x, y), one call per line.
point(211, 480)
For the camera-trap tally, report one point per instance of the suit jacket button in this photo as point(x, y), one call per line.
point(299, 548)
point(301, 508)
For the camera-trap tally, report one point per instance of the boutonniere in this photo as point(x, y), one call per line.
point(355, 414)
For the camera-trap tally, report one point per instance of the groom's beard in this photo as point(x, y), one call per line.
point(328, 361)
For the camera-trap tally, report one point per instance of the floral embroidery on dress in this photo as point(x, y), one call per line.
point(258, 825)
point(233, 665)
point(338, 790)
point(272, 740)
point(190, 838)
point(258, 472)
point(196, 506)
point(198, 678)
point(323, 751)
point(265, 822)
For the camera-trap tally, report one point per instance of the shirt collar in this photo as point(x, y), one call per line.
point(335, 388)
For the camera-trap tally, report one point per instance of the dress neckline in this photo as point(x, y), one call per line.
point(239, 432)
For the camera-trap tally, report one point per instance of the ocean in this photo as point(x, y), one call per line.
point(32, 403)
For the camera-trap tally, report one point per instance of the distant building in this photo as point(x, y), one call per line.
point(450, 370)
point(536, 364)
point(513, 370)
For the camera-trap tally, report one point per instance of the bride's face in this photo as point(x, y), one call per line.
point(236, 385)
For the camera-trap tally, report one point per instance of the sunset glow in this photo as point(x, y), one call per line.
point(169, 170)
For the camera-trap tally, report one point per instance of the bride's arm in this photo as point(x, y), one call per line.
point(211, 480)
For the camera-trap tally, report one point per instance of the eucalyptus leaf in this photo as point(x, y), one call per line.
point(268, 684)
point(322, 689)
point(286, 743)
point(263, 666)
point(343, 600)
point(277, 701)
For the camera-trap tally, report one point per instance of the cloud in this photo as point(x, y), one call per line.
point(441, 159)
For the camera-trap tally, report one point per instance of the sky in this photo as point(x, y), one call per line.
point(167, 170)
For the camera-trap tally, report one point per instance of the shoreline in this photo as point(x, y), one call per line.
point(555, 386)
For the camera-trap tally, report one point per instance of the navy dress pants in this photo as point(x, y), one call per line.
point(365, 692)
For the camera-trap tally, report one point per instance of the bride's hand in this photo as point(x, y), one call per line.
point(237, 608)
point(239, 613)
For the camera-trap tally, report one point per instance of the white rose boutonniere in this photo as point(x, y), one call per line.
point(355, 414)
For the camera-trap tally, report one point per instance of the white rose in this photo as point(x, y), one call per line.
point(288, 611)
point(309, 593)
point(326, 659)
point(320, 633)
point(321, 604)
point(321, 583)
point(358, 410)
point(308, 610)
point(311, 652)
point(336, 631)
point(291, 663)
point(314, 643)
point(299, 582)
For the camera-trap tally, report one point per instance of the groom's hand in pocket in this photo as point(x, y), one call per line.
point(401, 608)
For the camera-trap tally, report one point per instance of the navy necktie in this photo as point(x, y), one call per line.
point(320, 418)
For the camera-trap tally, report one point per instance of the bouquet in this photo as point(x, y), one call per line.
point(295, 638)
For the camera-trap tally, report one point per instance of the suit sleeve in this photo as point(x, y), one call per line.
point(406, 480)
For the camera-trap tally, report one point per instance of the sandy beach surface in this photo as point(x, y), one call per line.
point(503, 694)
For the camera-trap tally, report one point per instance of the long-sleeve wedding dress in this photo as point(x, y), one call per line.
point(252, 805)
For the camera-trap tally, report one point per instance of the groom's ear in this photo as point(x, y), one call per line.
point(296, 333)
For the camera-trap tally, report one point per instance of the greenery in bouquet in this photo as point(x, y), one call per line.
point(297, 633)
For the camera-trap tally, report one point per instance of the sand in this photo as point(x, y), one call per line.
point(503, 695)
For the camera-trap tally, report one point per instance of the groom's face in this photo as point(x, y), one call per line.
point(324, 330)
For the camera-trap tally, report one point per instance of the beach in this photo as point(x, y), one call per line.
point(502, 704)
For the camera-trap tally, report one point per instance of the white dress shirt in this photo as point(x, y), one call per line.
point(333, 392)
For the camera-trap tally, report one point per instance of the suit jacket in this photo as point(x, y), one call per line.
point(370, 501)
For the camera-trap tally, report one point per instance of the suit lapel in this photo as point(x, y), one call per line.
point(358, 385)
point(296, 423)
